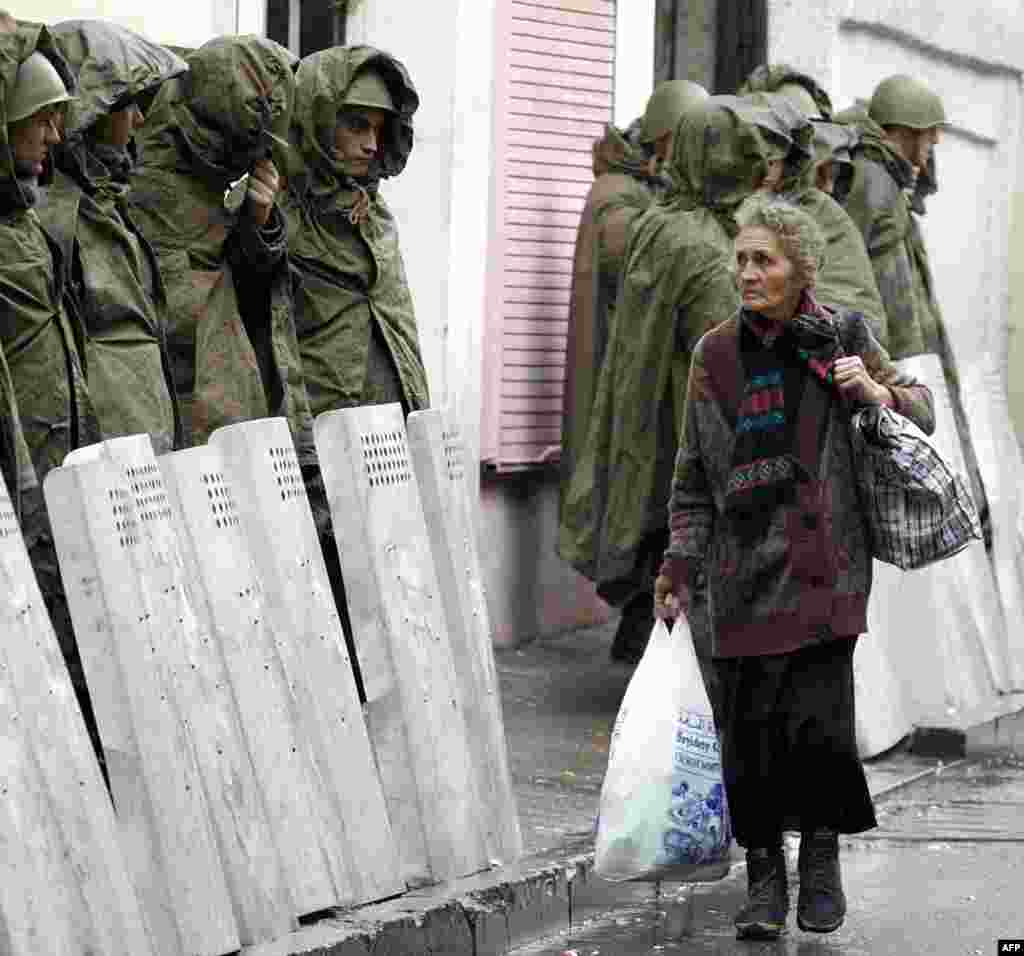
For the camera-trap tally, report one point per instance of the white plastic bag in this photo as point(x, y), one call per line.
point(663, 813)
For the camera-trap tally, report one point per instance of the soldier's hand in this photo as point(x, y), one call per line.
point(264, 184)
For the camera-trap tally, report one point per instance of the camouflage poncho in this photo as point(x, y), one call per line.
point(120, 295)
point(677, 283)
point(768, 78)
point(881, 203)
point(231, 330)
point(343, 242)
point(845, 278)
point(15, 462)
point(623, 188)
point(40, 337)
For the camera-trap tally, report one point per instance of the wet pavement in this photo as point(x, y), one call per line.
point(943, 873)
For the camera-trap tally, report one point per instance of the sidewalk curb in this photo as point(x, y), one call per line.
point(487, 914)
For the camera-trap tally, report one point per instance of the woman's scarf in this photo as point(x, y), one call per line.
point(776, 359)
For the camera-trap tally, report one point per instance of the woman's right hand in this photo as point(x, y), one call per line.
point(670, 599)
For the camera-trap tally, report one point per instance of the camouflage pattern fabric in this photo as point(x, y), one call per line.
point(40, 334)
point(231, 328)
point(879, 206)
point(40, 342)
point(15, 461)
point(119, 293)
point(881, 203)
point(845, 279)
point(113, 67)
point(767, 78)
point(677, 283)
point(622, 190)
point(343, 242)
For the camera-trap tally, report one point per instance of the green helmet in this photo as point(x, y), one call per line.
point(904, 101)
point(667, 104)
point(369, 89)
point(38, 85)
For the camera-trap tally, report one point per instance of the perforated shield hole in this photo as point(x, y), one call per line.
point(124, 519)
point(220, 499)
point(147, 484)
point(454, 459)
point(8, 519)
point(286, 472)
point(386, 458)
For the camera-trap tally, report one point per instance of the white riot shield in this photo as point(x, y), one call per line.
point(262, 903)
point(99, 513)
point(216, 546)
point(884, 710)
point(64, 886)
point(939, 628)
point(414, 704)
point(438, 457)
point(260, 462)
point(1002, 471)
point(972, 572)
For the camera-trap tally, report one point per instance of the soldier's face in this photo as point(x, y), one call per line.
point(32, 137)
point(773, 177)
point(914, 145)
point(117, 128)
point(825, 176)
point(765, 275)
point(663, 147)
point(357, 137)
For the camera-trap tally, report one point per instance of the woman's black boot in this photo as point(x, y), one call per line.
point(821, 906)
point(763, 916)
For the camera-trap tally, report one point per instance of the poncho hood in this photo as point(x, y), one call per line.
point(718, 158)
point(836, 143)
point(322, 80)
point(615, 152)
point(237, 90)
point(780, 121)
point(18, 41)
point(114, 67)
point(767, 78)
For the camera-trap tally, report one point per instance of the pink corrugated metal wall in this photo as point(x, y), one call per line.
point(555, 81)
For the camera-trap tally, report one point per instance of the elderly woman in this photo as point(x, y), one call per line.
point(764, 502)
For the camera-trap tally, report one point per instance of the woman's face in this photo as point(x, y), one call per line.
point(766, 278)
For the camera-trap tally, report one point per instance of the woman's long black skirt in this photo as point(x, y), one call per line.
point(789, 746)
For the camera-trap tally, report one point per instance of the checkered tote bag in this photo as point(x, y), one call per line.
point(917, 509)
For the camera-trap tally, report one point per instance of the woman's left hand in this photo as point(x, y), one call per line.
point(855, 384)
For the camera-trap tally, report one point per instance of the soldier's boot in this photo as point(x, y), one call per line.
point(821, 906)
point(763, 916)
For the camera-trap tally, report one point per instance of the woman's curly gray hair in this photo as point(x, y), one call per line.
point(801, 239)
